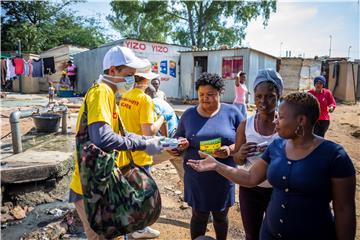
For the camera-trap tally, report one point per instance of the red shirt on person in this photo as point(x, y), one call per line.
point(326, 100)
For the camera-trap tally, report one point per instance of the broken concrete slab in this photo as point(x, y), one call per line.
point(47, 156)
point(35, 166)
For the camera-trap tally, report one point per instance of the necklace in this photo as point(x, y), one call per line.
point(257, 129)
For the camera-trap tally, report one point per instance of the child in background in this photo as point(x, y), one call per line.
point(241, 93)
point(51, 92)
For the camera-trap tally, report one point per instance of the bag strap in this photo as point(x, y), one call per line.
point(83, 127)
point(83, 121)
point(128, 152)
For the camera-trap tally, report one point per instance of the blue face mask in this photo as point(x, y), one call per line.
point(121, 87)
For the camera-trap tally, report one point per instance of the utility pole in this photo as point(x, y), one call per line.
point(280, 48)
point(349, 52)
point(330, 46)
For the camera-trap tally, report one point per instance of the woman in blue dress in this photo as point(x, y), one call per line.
point(210, 127)
point(307, 173)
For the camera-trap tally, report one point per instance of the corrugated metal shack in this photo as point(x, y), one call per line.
point(163, 57)
point(298, 73)
point(225, 62)
point(61, 55)
point(343, 78)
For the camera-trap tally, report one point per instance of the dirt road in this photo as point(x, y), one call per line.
point(174, 223)
point(175, 217)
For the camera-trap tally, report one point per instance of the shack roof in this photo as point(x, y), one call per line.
point(124, 39)
point(229, 49)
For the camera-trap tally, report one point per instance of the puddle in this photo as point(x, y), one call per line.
point(37, 218)
point(43, 142)
point(54, 142)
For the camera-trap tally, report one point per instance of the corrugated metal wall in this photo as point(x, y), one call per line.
point(298, 73)
point(90, 63)
point(346, 82)
point(258, 61)
point(186, 75)
point(253, 61)
point(89, 66)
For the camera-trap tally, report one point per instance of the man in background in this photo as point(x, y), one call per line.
point(156, 84)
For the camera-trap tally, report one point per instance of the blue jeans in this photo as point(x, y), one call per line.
point(242, 108)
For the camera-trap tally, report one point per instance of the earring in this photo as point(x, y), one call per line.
point(299, 131)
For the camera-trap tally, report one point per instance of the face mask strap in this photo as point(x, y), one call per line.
point(109, 76)
point(106, 80)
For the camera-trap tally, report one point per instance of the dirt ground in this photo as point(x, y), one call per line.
point(175, 217)
point(345, 121)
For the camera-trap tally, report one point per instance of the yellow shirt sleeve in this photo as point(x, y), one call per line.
point(98, 106)
point(147, 110)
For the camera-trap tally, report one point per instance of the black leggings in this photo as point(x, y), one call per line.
point(321, 126)
point(199, 222)
point(253, 204)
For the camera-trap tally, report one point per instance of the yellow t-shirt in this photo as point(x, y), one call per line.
point(136, 108)
point(101, 107)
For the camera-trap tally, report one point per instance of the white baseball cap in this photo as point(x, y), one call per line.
point(118, 56)
point(146, 72)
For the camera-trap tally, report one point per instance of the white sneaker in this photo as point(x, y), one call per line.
point(147, 232)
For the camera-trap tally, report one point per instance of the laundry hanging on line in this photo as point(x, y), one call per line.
point(11, 68)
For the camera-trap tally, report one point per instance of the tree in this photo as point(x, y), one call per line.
point(41, 25)
point(142, 20)
point(193, 23)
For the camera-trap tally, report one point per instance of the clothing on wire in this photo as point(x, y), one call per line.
point(37, 70)
point(3, 71)
point(10, 69)
point(28, 68)
point(19, 65)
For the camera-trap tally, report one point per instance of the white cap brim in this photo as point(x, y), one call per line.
point(148, 75)
point(138, 64)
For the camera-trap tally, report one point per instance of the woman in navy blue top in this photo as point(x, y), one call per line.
point(210, 127)
point(307, 173)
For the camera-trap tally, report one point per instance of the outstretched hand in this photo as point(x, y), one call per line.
point(223, 152)
point(207, 164)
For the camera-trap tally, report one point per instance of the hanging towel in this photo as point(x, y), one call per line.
point(37, 70)
point(19, 66)
point(10, 69)
point(3, 71)
point(49, 65)
point(28, 68)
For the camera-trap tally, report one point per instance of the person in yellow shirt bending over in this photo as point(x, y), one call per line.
point(119, 67)
point(138, 115)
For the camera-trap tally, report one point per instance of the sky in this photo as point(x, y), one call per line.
point(305, 28)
